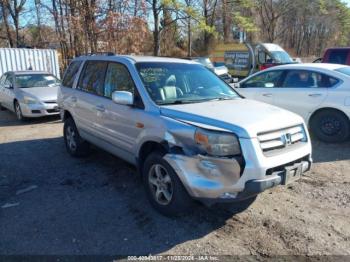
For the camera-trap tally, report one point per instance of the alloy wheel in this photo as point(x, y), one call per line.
point(18, 111)
point(160, 184)
point(71, 138)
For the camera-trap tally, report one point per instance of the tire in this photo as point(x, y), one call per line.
point(330, 126)
point(18, 111)
point(159, 176)
point(75, 145)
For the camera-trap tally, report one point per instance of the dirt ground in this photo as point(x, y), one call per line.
point(97, 205)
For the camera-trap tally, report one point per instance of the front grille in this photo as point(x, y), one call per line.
point(55, 110)
point(282, 139)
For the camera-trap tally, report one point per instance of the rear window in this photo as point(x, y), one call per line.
point(344, 70)
point(70, 74)
point(338, 56)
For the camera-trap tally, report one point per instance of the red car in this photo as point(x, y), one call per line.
point(337, 55)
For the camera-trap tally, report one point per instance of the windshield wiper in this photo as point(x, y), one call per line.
point(176, 102)
point(179, 102)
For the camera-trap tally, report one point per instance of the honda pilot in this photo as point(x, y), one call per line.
point(190, 135)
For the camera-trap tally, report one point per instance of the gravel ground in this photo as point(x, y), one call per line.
point(96, 205)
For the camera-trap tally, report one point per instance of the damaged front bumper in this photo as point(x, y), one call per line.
point(212, 180)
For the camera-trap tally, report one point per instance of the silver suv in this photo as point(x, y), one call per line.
point(190, 135)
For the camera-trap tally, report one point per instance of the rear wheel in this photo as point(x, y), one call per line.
point(164, 189)
point(330, 126)
point(76, 146)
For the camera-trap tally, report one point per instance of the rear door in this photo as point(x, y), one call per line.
point(67, 95)
point(303, 91)
point(2, 89)
point(261, 87)
point(7, 92)
point(89, 97)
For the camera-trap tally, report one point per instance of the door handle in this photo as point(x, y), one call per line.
point(315, 95)
point(73, 99)
point(267, 95)
point(100, 108)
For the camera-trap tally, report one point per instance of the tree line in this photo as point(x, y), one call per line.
point(172, 27)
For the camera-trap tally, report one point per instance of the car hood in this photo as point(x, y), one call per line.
point(246, 118)
point(47, 93)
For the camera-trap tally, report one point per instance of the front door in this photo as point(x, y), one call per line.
point(7, 93)
point(261, 87)
point(119, 124)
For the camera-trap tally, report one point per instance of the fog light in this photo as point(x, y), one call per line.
point(306, 166)
point(228, 195)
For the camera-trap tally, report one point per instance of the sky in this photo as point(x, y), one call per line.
point(29, 16)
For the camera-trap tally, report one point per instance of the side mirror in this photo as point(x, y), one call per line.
point(235, 79)
point(123, 98)
point(8, 86)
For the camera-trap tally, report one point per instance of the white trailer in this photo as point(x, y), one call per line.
point(19, 59)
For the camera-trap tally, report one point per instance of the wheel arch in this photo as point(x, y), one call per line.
point(148, 147)
point(66, 114)
point(14, 102)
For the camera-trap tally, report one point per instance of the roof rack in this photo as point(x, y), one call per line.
point(100, 53)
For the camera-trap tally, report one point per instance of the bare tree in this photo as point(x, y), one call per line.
point(15, 8)
point(5, 15)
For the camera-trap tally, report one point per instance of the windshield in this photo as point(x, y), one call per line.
point(175, 83)
point(344, 70)
point(281, 57)
point(36, 80)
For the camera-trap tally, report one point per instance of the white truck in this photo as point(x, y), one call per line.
point(22, 59)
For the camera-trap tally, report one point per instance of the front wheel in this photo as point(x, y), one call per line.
point(76, 146)
point(330, 126)
point(18, 111)
point(164, 189)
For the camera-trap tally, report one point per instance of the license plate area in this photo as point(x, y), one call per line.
point(292, 173)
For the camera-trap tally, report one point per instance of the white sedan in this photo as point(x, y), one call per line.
point(29, 93)
point(320, 93)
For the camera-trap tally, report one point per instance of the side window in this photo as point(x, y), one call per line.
point(93, 77)
point(264, 80)
point(264, 57)
point(325, 80)
point(118, 79)
point(308, 79)
point(71, 73)
point(338, 56)
point(2, 79)
point(8, 81)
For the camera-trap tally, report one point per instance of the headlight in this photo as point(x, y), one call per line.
point(30, 100)
point(217, 143)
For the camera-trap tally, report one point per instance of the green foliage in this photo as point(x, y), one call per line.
point(245, 22)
